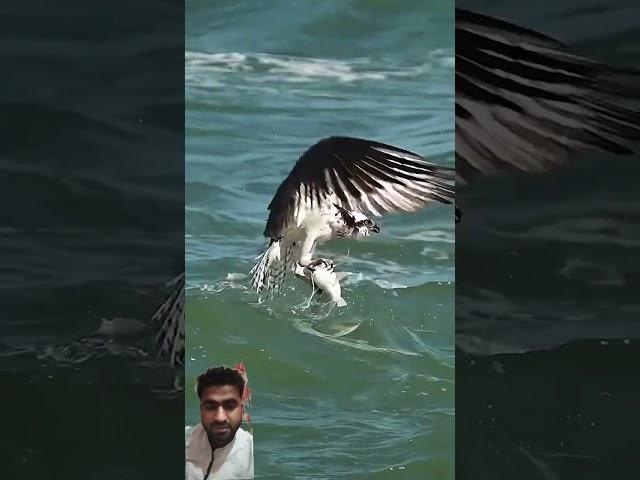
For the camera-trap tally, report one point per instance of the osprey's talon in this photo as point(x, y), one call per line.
point(326, 262)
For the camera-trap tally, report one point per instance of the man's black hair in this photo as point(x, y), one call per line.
point(220, 376)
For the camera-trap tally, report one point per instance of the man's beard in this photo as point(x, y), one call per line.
point(221, 434)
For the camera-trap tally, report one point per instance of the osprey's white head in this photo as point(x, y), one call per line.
point(363, 226)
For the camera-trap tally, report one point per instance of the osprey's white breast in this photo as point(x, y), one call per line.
point(315, 219)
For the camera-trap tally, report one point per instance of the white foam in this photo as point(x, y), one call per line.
point(120, 326)
point(218, 287)
point(236, 276)
point(431, 236)
point(225, 62)
point(388, 285)
point(201, 68)
point(444, 58)
point(306, 69)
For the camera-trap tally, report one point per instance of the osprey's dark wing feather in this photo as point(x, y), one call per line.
point(524, 102)
point(361, 175)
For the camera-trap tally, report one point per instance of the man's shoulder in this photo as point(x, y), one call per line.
point(241, 455)
point(193, 433)
point(244, 439)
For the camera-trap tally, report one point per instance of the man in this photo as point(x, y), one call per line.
point(217, 448)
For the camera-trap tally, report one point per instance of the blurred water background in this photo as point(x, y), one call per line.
point(547, 290)
point(91, 227)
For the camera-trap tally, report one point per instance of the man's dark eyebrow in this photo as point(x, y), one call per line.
point(227, 401)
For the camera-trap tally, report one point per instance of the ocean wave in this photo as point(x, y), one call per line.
point(585, 230)
point(489, 323)
point(304, 326)
point(200, 66)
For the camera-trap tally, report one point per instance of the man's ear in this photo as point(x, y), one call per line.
point(245, 416)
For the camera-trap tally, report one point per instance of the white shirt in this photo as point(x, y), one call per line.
point(234, 461)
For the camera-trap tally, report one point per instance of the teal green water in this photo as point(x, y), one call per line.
point(265, 80)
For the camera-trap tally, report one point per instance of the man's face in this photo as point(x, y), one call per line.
point(221, 413)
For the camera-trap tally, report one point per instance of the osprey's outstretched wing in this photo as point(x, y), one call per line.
point(360, 175)
point(524, 102)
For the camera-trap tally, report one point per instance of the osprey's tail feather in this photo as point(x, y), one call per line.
point(271, 267)
point(170, 317)
point(266, 265)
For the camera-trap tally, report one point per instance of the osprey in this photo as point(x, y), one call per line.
point(330, 193)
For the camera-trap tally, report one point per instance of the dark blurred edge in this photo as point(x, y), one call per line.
point(569, 411)
point(92, 121)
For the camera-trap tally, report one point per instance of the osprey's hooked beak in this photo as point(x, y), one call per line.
point(375, 228)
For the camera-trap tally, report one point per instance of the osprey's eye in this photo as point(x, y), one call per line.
point(368, 222)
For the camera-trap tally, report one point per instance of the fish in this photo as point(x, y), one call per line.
point(324, 279)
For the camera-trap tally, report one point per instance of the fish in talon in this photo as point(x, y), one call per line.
point(326, 280)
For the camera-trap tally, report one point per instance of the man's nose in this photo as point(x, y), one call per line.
point(220, 415)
